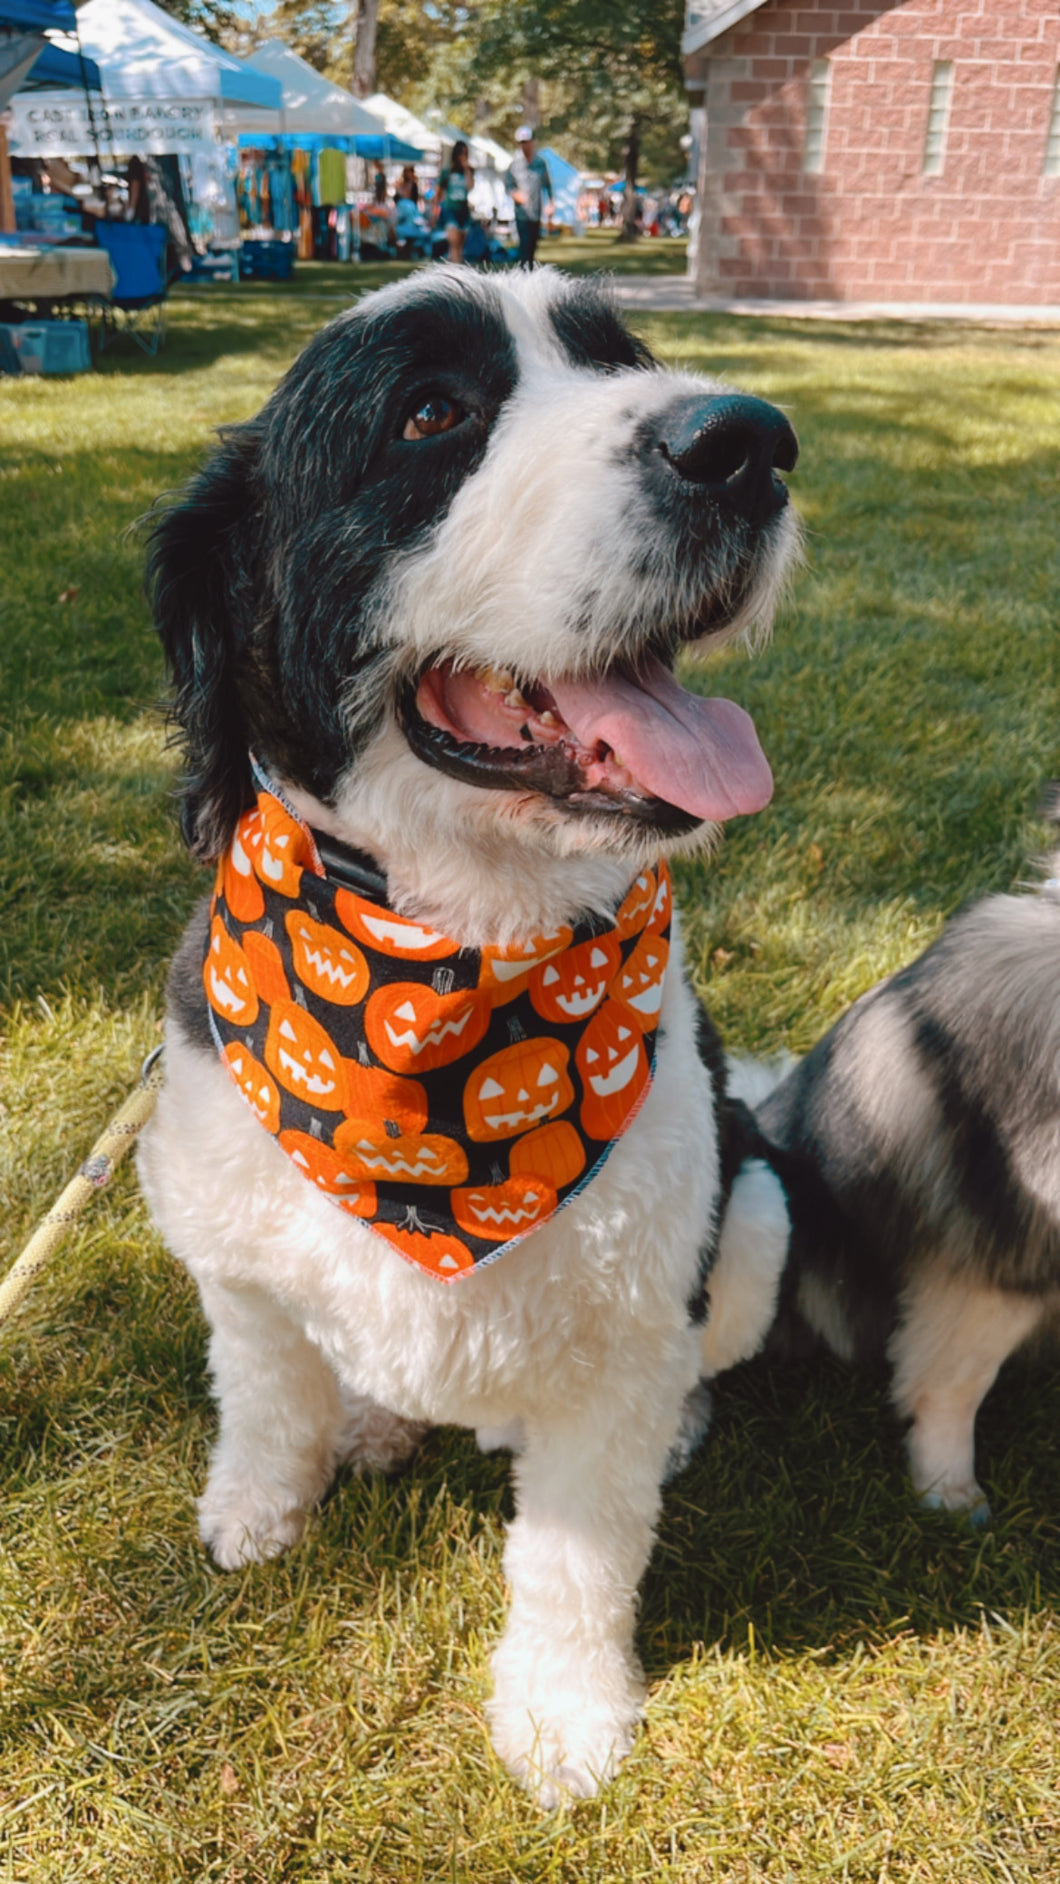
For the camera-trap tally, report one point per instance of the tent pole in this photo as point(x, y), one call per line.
point(7, 198)
point(88, 107)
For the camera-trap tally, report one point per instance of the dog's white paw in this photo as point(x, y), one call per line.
point(966, 1500)
point(241, 1526)
point(563, 1737)
point(561, 1752)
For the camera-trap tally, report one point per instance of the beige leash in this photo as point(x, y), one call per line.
point(96, 1172)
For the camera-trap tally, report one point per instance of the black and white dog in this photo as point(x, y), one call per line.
point(919, 1145)
point(436, 588)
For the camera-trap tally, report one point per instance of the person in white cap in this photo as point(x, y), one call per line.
point(529, 182)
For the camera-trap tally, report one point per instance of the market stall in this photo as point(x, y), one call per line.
point(165, 94)
point(297, 185)
point(39, 278)
point(311, 181)
point(28, 58)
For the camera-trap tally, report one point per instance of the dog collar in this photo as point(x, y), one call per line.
point(452, 1099)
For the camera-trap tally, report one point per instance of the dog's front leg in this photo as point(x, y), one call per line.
point(568, 1690)
point(282, 1420)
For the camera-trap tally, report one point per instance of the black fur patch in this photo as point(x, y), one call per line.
point(591, 333)
point(263, 574)
point(732, 1120)
point(185, 996)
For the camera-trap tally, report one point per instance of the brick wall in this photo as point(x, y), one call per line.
point(870, 225)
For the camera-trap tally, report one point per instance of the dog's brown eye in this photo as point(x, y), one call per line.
point(433, 416)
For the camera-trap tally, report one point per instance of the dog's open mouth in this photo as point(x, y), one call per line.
point(631, 741)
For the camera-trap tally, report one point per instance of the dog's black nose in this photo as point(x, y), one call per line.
point(732, 446)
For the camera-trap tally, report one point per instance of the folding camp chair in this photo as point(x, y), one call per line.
point(137, 307)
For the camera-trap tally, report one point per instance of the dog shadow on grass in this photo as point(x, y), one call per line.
point(794, 1522)
point(796, 1519)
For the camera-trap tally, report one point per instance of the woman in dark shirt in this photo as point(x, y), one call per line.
point(454, 204)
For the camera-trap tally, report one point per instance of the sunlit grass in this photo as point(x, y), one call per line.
point(840, 1688)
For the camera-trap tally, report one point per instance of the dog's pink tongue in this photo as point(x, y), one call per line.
point(702, 755)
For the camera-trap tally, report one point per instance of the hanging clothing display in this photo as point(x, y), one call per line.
point(302, 177)
point(297, 190)
point(331, 177)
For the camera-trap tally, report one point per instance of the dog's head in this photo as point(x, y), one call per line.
point(439, 582)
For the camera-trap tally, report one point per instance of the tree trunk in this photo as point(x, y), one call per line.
point(630, 229)
point(365, 19)
point(530, 103)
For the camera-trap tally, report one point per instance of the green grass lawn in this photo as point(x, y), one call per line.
point(841, 1688)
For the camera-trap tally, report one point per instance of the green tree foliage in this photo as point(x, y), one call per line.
point(600, 78)
point(219, 22)
point(317, 30)
point(611, 92)
point(424, 57)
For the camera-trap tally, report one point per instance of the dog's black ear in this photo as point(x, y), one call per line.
point(197, 568)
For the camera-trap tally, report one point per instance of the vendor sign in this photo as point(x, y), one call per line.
point(54, 124)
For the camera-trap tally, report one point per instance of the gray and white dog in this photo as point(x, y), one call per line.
point(919, 1147)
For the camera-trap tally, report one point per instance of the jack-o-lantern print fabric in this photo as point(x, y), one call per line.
point(452, 1099)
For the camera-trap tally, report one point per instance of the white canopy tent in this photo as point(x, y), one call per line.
point(165, 89)
point(400, 122)
point(486, 151)
point(310, 103)
point(436, 137)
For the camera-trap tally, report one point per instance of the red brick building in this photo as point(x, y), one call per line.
point(881, 150)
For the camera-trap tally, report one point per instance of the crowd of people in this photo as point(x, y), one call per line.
point(664, 212)
point(415, 219)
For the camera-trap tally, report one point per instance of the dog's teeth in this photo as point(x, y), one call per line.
point(515, 700)
point(497, 680)
point(548, 718)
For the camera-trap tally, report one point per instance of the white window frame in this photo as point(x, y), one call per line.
point(1051, 164)
point(818, 96)
point(937, 129)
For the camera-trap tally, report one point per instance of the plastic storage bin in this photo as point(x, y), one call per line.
point(51, 346)
point(261, 260)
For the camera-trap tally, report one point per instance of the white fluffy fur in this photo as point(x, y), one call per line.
point(581, 1334)
point(946, 1351)
point(745, 1279)
point(578, 1342)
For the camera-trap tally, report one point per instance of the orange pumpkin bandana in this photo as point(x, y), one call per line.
point(453, 1099)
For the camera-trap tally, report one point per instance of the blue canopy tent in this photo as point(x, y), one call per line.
point(23, 28)
point(386, 149)
point(54, 68)
point(566, 186)
point(371, 147)
point(29, 60)
point(374, 148)
point(39, 16)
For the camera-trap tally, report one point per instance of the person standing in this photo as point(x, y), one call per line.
point(407, 189)
point(454, 200)
point(529, 182)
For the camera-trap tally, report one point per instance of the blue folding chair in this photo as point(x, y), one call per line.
point(137, 306)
